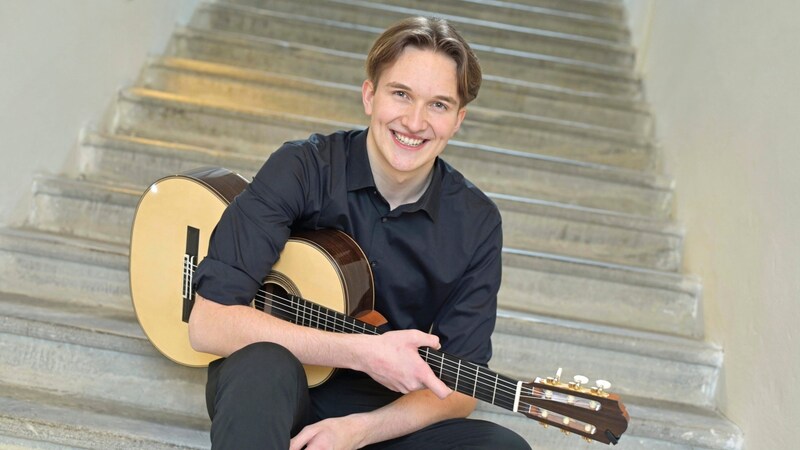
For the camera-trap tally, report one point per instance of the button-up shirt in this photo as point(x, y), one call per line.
point(436, 262)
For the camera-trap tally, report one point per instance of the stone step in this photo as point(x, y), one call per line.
point(612, 10)
point(510, 14)
point(95, 273)
point(60, 267)
point(656, 426)
point(638, 364)
point(105, 211)
point(249, 87)
point(221, 124)
point(43, 420)
point(279, 55)
point(605, 294)
point(51, 344)
point(142, 161)
point(382, 15)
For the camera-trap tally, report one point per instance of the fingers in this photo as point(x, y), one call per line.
point(436, 386)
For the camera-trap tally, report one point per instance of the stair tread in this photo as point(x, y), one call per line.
point(51, 417)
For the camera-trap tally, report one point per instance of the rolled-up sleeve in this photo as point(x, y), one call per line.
point(254, 228)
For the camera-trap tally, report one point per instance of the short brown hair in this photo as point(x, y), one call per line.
point(433, 34)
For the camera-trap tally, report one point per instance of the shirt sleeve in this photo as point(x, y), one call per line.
point(466, 322)
point(254, 228)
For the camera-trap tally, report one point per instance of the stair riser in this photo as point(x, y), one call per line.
point(552, 439)
point(249, 89)
point(630, 374)
point(340, 36)
point(144, 164)
point(272, 56)
point(100, 213)
point(145, 381)
point(606, 301)
point(608, 10)
point(224, 131)
point(63, 280)
point(251, 132)
point(521, 17)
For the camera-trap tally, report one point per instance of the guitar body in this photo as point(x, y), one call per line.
point(171, 230)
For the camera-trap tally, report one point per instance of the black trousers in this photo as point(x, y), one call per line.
point(258, 398)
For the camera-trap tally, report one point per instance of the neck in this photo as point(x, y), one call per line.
point(398, 189)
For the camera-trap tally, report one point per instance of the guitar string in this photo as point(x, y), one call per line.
point(486, 381)
point(490, 382)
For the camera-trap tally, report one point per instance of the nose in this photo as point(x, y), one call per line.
point(415, 118)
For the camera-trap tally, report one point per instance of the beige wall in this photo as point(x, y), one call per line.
point(723, 77)
point(61, 63)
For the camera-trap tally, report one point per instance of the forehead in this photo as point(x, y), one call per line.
point(424, 71)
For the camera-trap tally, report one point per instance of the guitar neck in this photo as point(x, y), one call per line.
point(459, 375)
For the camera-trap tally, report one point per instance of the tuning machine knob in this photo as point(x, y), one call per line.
point(601, 386)
point(556, 379)
point(578, 381)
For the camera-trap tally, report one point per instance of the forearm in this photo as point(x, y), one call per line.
point(410, 413)
point(221, 330)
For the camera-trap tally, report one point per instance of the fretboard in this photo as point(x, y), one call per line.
point(459, 375)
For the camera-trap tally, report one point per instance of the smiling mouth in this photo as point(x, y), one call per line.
point(408, 141)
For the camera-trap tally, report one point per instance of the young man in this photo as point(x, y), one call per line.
point(434, 243)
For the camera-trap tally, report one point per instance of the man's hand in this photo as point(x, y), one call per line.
point(339, 433)
point(393, 360)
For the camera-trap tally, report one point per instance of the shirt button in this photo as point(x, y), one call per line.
point(374, 264)
point(384, 219)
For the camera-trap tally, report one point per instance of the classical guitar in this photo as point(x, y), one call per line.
point(171, 229)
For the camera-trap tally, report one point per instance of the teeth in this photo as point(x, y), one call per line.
point(407, 140)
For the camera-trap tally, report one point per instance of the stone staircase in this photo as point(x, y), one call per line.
point(560, 137)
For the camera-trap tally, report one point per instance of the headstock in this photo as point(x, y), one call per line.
point(575, 407)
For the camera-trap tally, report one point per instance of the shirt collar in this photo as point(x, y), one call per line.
point(359, 176)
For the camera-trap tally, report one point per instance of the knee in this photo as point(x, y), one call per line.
point(264, 362)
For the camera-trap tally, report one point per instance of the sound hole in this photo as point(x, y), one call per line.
point(279, 292)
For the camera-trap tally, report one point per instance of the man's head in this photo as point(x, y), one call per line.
point(427, 34)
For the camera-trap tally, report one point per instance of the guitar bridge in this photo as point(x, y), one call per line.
point(189, 258)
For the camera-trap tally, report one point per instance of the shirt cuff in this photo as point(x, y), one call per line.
point(224, 284)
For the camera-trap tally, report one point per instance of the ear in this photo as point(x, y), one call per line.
point(460, 118)
point(367, 94)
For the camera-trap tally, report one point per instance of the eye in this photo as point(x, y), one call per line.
point(440, 106)
point(401, 94)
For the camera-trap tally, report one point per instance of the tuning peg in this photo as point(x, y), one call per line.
point(602, 385)
point(556, 379)
point(578, 381)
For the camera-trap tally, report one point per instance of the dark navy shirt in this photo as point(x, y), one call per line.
point(436, 262)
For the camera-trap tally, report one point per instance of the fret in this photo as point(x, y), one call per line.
point(458, 373)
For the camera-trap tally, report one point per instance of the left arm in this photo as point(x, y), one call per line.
point(409, 413)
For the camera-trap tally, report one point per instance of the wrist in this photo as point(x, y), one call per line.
point(359, 426)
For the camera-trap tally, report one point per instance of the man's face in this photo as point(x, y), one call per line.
point(414, 111)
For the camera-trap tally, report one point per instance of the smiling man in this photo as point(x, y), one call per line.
point(433, 241)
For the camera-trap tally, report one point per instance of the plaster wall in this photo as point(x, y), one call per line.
point(723, 79)
point(61, 64)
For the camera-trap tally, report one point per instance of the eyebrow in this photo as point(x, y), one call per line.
point(442, 98)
